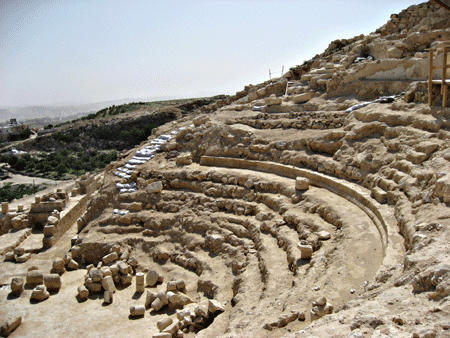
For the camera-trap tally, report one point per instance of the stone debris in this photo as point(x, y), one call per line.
point(320, 308)
point(23, 258)
point(58, 266)
point(140, 282)
point(154, 187)
point(9, 324)
point(215, 306)
point(72, 265)
point(162, 324)
point(306, 250)
point(301, 183)
point(137, 310)
point(152, 278)
point(108, 297)
point(324, 235)
point(282, 321)
point(112, 257)
point(52, 282)
point(40, 293)
point(83, 293)
point(162, 335)
point(108, 284)
point(35, 277)
point(17, 285)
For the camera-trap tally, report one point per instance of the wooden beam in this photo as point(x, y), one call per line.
point(440, 3)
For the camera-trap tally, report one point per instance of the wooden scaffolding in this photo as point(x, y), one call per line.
point(444, 82)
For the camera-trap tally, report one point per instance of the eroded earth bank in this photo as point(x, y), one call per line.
point(300, 207)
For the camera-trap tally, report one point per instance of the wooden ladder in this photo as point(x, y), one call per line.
point(444, 82)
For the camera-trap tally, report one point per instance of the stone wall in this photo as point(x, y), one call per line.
point(68, 218)
point(379, 214)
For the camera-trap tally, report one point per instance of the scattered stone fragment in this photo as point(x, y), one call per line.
point(157, 304)
point(184, 159)
point(137, 310)
point(108, 297)
point(132, 262)
point(324, 235)
point(17, 285)
point(306, 250)
point(92, 286)
point(108, 284)
point(9, 256)
point(123, 268)
point(214, 306)
point(301, 183)
point(154, 187)
point(180, 285)
point(178, 299)
point(126, 279)
point(152, 278)
point(58, 266)
point(162, 324)
point(19, 251)
point(52, 282)
point(162, 335)
point(320, 308)
point(171, 286)
point(96, 275)
point(23, 258)
point(40, 293)
point(83, 293)
point(202, 311)
point(140, 282)
point(67, 258)
point(9, 324)
point(172, 328)
point(72, 265)
point(106, 271)
point(108, 259)
point(125, 255)
point(150, 297)
point(35, 277)
point(320, 301)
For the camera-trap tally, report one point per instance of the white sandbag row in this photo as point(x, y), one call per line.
point(120, 212)
point(136, 162)
point(383, 99)
point(131, 185)
point(124, 170)
point(122, 175)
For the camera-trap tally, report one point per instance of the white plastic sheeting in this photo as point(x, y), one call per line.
point(120, 212)
point(383, 99)
point(141, 156)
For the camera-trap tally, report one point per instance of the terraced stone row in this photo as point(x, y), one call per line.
point(302, 121)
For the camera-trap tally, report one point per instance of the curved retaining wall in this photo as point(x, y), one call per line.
point(380, 215)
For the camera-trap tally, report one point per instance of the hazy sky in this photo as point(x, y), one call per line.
point(81, 51)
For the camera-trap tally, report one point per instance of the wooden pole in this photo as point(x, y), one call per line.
point(444, 78)
point(430, 78)
point(440, 3)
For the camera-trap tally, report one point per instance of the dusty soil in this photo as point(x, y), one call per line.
point(363, 251)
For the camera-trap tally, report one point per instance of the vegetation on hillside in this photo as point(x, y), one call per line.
point(10, 192)
point(23, 135)
point(60, 164)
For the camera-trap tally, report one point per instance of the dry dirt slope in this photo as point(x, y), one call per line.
point(217, 207)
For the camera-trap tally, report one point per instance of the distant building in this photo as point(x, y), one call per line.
point(14, 128)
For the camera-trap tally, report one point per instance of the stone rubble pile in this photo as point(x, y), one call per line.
point(18, 255)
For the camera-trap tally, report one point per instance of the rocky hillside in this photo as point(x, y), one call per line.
point(313, 205)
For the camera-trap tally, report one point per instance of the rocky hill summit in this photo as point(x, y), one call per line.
point(312, 205)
